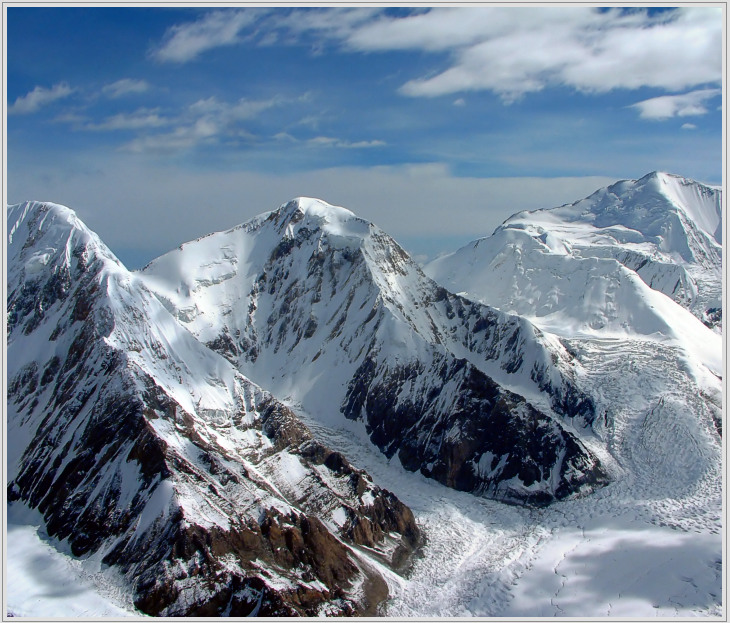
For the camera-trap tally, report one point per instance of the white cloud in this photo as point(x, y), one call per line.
point(689, 126)
point(513, 51)
point(583, 49)
point(71, 117)
point(39, 97)
point(332, 23)
point(435, 30)
point(204, 130)
point(362, 144)
point(285, 136)
point(184, 42)
point(137, 120)
point(328, 141)
point(241, 110)
point(207, 121)
point(125, 87)
point(684, 105)
point(324, 141)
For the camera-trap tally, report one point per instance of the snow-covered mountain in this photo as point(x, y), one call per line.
point(629, 280)
point(151, 452)
point(326, 310)
point(595, 265)
point(156, 419)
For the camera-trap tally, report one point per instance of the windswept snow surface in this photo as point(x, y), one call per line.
point(43, 581)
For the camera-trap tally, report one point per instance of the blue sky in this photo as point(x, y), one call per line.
point(158, 125)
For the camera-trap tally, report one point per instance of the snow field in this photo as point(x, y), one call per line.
point(576, 558)
point(647, 545)
point(621, 567)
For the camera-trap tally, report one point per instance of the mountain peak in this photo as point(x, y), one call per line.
point(307, 214)
point(155, 416)
point(637, 238)
point(657, 176)
point(659, 182)
point(654, 197)
point(311, 208)
point(38, 229)
point(667, 210)
point(37, 214)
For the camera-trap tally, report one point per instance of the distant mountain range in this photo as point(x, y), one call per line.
point(154, 417)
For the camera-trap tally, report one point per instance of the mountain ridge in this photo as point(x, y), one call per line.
point(642, 226)
point(327, 292)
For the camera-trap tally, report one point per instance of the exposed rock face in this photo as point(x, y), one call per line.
point(208, 494)
point(480, 438)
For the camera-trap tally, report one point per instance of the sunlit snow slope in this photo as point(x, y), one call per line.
point(640, 258)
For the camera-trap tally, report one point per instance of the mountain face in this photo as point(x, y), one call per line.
point(326, 310)
point(156, 418)
point(147, 449)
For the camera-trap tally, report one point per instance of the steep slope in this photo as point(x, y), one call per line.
point(327, 311)
point(143, 447)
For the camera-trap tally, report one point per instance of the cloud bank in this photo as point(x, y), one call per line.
point(521, 50)
point(684, 105)
point(165, 207)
